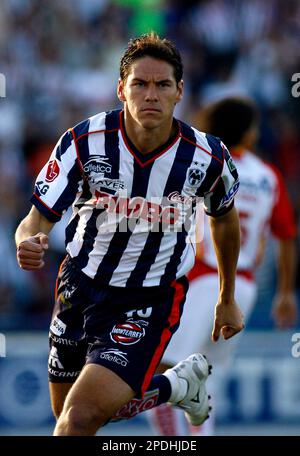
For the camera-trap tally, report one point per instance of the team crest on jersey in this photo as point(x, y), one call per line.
point(193, 180)
point(52, 171)
point(127, 333)
point(195, 177)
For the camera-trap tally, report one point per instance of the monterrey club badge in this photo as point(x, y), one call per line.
point(52, 171)
point(127, 333)
point(195, 177)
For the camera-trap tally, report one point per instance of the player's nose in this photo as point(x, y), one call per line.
point(151, 93)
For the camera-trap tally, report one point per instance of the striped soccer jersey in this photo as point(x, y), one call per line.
point(133, 213)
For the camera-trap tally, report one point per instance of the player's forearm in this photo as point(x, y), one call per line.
point(32, 224)
point(286, 266)
point(225, 231)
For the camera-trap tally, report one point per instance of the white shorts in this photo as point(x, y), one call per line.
point(194, 332)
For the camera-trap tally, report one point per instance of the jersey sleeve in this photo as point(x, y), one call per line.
point(58, 181)
point(282, 222)
point(220, 198)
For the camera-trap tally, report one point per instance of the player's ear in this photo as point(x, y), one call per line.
point(120, 90)
point(179, 91)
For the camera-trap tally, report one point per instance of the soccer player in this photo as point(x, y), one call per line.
point(132, 175)
point(263, 206)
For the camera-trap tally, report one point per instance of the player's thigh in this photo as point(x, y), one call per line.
point(197, 319)
point(97, 393)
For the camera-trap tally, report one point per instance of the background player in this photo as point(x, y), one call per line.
point(120, 293)
point(263, 206)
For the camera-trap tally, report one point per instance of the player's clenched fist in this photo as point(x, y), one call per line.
point(30, 252)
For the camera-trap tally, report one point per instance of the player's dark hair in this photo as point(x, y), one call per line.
point(151, 45)
point(229, 119)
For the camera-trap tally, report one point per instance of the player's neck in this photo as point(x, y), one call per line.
point(147, 140)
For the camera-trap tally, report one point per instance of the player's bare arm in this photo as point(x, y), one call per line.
point(32, 240)
point(225, 232)
point(284, 308)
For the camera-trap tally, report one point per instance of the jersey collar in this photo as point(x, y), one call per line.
point(145, 159)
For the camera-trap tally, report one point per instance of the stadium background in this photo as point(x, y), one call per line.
point(60, 61)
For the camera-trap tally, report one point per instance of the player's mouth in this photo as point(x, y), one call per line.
point(150, 110)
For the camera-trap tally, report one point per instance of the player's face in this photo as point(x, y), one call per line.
point(150, 93)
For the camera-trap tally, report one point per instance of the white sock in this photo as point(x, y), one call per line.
point(179, 386)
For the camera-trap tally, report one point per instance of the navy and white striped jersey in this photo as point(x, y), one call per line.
point(132, 212)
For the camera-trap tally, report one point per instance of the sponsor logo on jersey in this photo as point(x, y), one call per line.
point(139, 322)
point(43, 188)
point(69, 290)
point(230, 194)
point(52, 171)
point(138, 208)
point(58, 327)
point(62, 341)
point(97, 164)
point(176, 197)
point(63, 374)
point(111, 184)
point(54, 360)
point(231, 164)
point(127, 333)
point(115, 356)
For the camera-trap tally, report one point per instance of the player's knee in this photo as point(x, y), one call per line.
point(79, 420)
point(57, 409)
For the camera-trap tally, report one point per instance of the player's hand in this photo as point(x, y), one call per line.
point(228, 320)
point(30, 252)
point(284, 310)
